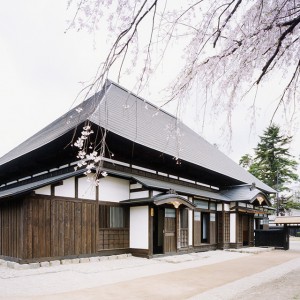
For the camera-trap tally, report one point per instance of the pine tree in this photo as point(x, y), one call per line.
point(272, 163)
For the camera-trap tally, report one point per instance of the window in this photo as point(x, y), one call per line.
point(184, 218)
point(170, 213)
point(112, 216)
point(201, 204)
point(212, 206)
point(116, 217)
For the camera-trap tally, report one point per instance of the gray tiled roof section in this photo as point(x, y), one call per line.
point(135, 119)
point(181, 189)
point(242, 193)
point(129, 116)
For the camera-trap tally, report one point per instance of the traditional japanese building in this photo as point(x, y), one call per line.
point(163, 189)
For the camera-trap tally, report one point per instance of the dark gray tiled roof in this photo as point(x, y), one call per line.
point(233, 194)
point(129, 116)
point(243, 193)
point(181, 189)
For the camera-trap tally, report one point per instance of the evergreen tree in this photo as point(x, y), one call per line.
point(272, 163)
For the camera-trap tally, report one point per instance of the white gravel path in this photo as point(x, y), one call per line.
point(72, 277)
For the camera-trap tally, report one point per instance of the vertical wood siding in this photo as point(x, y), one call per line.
point(212, 232)
point(59, 227)
point(11, 235)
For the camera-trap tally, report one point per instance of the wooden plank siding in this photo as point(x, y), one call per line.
point(58, 227)
point(212, 232)
point(11, 237)
point(223, 225)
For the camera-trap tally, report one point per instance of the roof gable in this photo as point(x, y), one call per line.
point(246, 193)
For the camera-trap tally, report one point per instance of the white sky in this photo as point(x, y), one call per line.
point(42, 67)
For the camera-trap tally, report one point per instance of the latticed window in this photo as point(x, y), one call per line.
point(184, 228)
point(227, 228)
point(113, 227)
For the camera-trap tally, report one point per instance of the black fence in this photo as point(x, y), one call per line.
point(274, 237)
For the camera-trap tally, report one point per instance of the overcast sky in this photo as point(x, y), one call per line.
point(42, 69)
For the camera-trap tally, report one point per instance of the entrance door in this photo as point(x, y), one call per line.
point(170, 230)
point(158, 229)
point(205, 228)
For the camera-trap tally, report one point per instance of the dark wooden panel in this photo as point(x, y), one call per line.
point(11, 235)
point(197, 233)
point(66, 221)
point(29, 229)
point(35, 228)
point(61, 227)
point(77, 228)
point(170, 235)
point(83, 228)
point(88, 229)
point(50, 227)
point(113, 238)
point(41, 229)
point(47, 228)
point(212, 227)
point(54, 228)
point(72, 228)
point(94, 223)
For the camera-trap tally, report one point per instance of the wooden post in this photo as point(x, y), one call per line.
point(178, 228)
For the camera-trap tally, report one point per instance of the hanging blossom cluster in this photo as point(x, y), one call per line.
point(89, 160)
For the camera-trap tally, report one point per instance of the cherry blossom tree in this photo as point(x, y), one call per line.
point(225, 49)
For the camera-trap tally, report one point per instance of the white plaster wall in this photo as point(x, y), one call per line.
point(190, 227)
point(141, 194)
point(67, 189)
point(113, 189)
point(46, 190)
point(232, 228)
point(219, 207)
point(226, 207)
point(135, 185)
point(139, 227)
point(86, 187)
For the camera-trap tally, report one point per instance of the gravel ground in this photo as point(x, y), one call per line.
point(73, 277)
point(78, 280)
point(285, 287)
point(279, 283)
